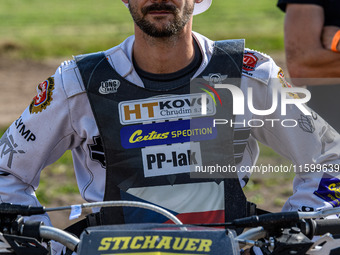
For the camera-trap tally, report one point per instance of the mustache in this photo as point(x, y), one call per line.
point(159, 7)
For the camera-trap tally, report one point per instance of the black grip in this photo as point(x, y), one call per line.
point(327, 226)
point(24, 210)
point(268, 219)
point(32, 229)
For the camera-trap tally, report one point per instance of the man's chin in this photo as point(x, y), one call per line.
point(159, 30)
point(161, 34)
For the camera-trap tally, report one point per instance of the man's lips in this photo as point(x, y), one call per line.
point(159, 9)
point(159, 12)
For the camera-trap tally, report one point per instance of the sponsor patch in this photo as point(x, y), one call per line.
point(249, 61)
point(162, 108)
point(159, 239)
point(24, 131)
point(109, 87)
point(329, 190)
point(44, 98)
point(8, 148)
point(157, 243)
point(137, 136)
point(170, 159)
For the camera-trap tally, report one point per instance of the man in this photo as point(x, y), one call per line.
point(309, 29)
point(135, 103)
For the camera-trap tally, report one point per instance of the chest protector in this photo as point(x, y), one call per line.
point(150, 136)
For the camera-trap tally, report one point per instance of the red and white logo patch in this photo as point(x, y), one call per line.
point(44, 97)
point(249, 61)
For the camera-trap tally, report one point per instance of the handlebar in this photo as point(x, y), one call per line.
point(249, 238)
point(262, 227)
point(322, 227)
point(58, 235)
point(11, 223)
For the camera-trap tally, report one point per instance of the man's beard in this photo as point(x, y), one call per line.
point(172, 28)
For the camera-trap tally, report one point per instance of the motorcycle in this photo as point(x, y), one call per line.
point(284, 233)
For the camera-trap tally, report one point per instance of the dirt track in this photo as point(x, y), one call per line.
point(18, 81)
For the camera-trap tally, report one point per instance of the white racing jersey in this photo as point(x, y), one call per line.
point(60, 118)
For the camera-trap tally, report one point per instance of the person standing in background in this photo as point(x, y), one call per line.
point(311, 34)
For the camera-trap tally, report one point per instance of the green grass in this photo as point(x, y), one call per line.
point(39, 29)
point(2, 131)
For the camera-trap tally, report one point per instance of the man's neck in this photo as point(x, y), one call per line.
point(163, 55)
